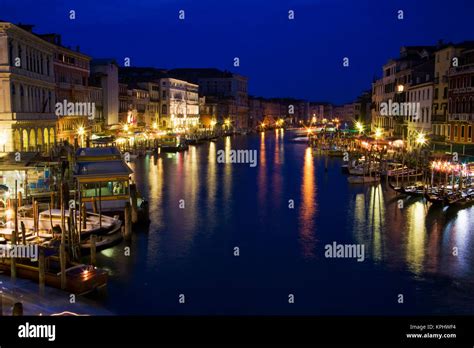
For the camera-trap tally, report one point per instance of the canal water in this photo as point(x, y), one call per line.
point(280, 215)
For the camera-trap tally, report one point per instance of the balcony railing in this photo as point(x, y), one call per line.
point(461, 117)
point(438, 118)
point(468, 68)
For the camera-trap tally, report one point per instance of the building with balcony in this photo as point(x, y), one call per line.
point(398, 75)
point(179, 104)
point(71, 72)
point(152, 113)
point(461, 99)
point(420, 95)
point(227, 87)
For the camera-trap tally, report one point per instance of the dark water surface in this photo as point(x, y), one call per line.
point(190, 251)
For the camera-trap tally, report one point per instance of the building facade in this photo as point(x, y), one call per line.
point(27, 90)
point(104, 74)
point(179, 104)
point(461, 99)
point(228, 89)
point(74, 110)
point(419, 120)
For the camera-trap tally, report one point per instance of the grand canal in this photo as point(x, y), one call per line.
point(190, 250)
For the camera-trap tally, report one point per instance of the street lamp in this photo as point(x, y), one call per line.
point(81, 132)
point(421, 139)
point(378, 133)
point(227, 124)
point(360, 127)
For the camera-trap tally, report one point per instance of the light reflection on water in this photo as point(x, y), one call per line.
point(308, 206)
point(228, 204)
point(410, 237)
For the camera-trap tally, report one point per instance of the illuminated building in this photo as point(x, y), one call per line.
point(27, 90)
point(71, 72)
point(461, 99)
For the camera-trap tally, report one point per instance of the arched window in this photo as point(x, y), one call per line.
point(46, 136)
point(16, 140)
point(39, 137)
point(51, 136)
point(25, 140)
point(32, 140)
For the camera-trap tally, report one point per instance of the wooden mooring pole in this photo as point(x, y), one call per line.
point(134, 200)
point(128, 222)
point(42, 270)
point(62, 247)
point(93, 249)
point(14, 236)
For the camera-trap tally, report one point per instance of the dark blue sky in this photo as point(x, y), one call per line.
point(300, 58)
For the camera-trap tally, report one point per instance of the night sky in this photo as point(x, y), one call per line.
point(301, 58)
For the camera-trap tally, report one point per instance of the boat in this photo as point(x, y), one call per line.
point(105, 225)
point(102, 242)
point(414, 190)
point(300, 140)
point(409, 190)
point(363, 170)
point(48, 219)
point(363, 179)
point(460, 198)
point(80, 278)
point(173, 144)
point(398, 189)
point(436, 196)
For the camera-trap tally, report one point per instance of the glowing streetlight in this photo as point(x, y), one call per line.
point(80, 132)
point(213, 123)
point(155, 125)
point(421, 139)
point(125, 127)
point(378, 133)
point(360, 127)
point(227, 122)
